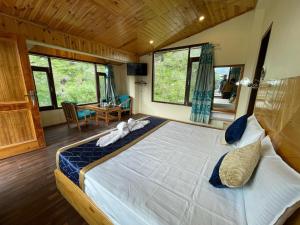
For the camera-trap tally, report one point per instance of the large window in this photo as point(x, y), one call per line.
point(59, 80)
point(174, 78)
point(174, 74)
point(74, 81)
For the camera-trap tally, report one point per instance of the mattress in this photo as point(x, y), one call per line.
point(163, 179)
point(72, 160)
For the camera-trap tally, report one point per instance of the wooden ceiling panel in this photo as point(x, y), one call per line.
point(127, 24)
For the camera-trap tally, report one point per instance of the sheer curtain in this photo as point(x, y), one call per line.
point(110, 85)
point(204, 88)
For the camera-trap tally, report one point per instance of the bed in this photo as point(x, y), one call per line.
point(160, 174)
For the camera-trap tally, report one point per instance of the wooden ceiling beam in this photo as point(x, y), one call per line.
point(42, 34)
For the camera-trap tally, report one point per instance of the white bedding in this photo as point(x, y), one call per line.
point(163, 179)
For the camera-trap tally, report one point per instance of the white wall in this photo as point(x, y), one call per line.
point(231, 37)
point(282, 59)
point(283, 56)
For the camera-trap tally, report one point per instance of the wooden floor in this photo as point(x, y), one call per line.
point(28, 193)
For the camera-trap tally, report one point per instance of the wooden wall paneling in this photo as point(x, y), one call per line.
point(277, 108)
point(43, 34)
point(125, 24)
point(38, 49)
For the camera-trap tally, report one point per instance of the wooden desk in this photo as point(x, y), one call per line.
point(104, 113)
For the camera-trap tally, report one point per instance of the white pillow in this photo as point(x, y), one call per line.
point(252, 133)
point(267, 149)
point(273, 193)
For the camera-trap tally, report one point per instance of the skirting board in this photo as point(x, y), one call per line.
point(80, 201)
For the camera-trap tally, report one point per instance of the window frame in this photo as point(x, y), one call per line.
point(190, 60)
point(98, 75)
point(50, 87)
point(51, 84)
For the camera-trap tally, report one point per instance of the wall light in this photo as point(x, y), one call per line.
point(246, 82)
point(151, 42)
point(201, 18)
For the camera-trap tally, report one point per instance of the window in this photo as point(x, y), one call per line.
point(39, 61)
point(174, 78)
point(170, 76)
point(101, 73)
point(42, 87)
point(57, 80)
point(74, 81)
point(174, 74)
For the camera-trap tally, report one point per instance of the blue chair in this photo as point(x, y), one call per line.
point(125, 102)
point(76, 116)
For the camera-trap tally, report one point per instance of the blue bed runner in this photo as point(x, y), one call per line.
point(72, 160)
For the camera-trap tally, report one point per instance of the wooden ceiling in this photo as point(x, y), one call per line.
point(127, 24)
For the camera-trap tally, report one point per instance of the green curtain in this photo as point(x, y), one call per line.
point(204, 88)
point(110, 85)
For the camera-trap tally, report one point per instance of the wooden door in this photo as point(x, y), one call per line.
point(20, 126)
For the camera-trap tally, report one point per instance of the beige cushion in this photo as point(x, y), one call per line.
point(239, 164)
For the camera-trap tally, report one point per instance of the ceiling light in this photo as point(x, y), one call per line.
point(201, 18)
point(151, 42)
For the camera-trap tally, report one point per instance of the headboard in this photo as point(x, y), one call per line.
point(277, 108)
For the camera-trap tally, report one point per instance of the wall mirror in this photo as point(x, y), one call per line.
point(226, 94)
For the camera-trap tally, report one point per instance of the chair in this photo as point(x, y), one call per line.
point(76, 116)
point(125, 102)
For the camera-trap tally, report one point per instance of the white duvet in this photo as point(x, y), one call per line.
point(163, 179)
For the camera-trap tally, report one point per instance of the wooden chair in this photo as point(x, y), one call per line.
point(125, 102)
point(76, 116)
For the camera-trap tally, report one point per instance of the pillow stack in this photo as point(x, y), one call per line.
point(235, 168)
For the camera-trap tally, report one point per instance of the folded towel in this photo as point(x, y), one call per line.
point(123, 129)
point(136, 124)
point(112, 137)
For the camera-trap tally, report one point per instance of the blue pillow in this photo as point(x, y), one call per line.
point(235, 131)
point(215, 179)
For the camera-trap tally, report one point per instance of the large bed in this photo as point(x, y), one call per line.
point(158, 175)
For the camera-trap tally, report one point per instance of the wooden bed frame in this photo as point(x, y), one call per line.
point(277, 108)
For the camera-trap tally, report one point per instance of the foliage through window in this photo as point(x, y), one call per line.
point(74, 81)
point(170, 76)
point(59, 80)
point(175, 74)
point(42, 88)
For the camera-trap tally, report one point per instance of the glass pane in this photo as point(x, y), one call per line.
point(195, 51)
point(74, 81)
point(221, 76)
point(101, 68)
point(42, 88)
point(170, 76)
point(37, 60)
point(194, 71)
point(225, 87)
point(102, 87)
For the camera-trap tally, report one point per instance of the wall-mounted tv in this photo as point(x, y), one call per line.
point(137, 69)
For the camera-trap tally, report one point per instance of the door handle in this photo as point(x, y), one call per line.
point(31, 94)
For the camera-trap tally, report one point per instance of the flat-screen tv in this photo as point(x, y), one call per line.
point(137, 69)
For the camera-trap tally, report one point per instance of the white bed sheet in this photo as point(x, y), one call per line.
point(163, 179)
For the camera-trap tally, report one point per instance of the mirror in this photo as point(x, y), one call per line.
point(226, 91)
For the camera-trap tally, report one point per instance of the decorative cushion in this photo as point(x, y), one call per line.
point(85, 113)
point(253, 132)
point(235, 131)
point(235, 168)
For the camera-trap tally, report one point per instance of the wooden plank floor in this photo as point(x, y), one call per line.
point(28, 194)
